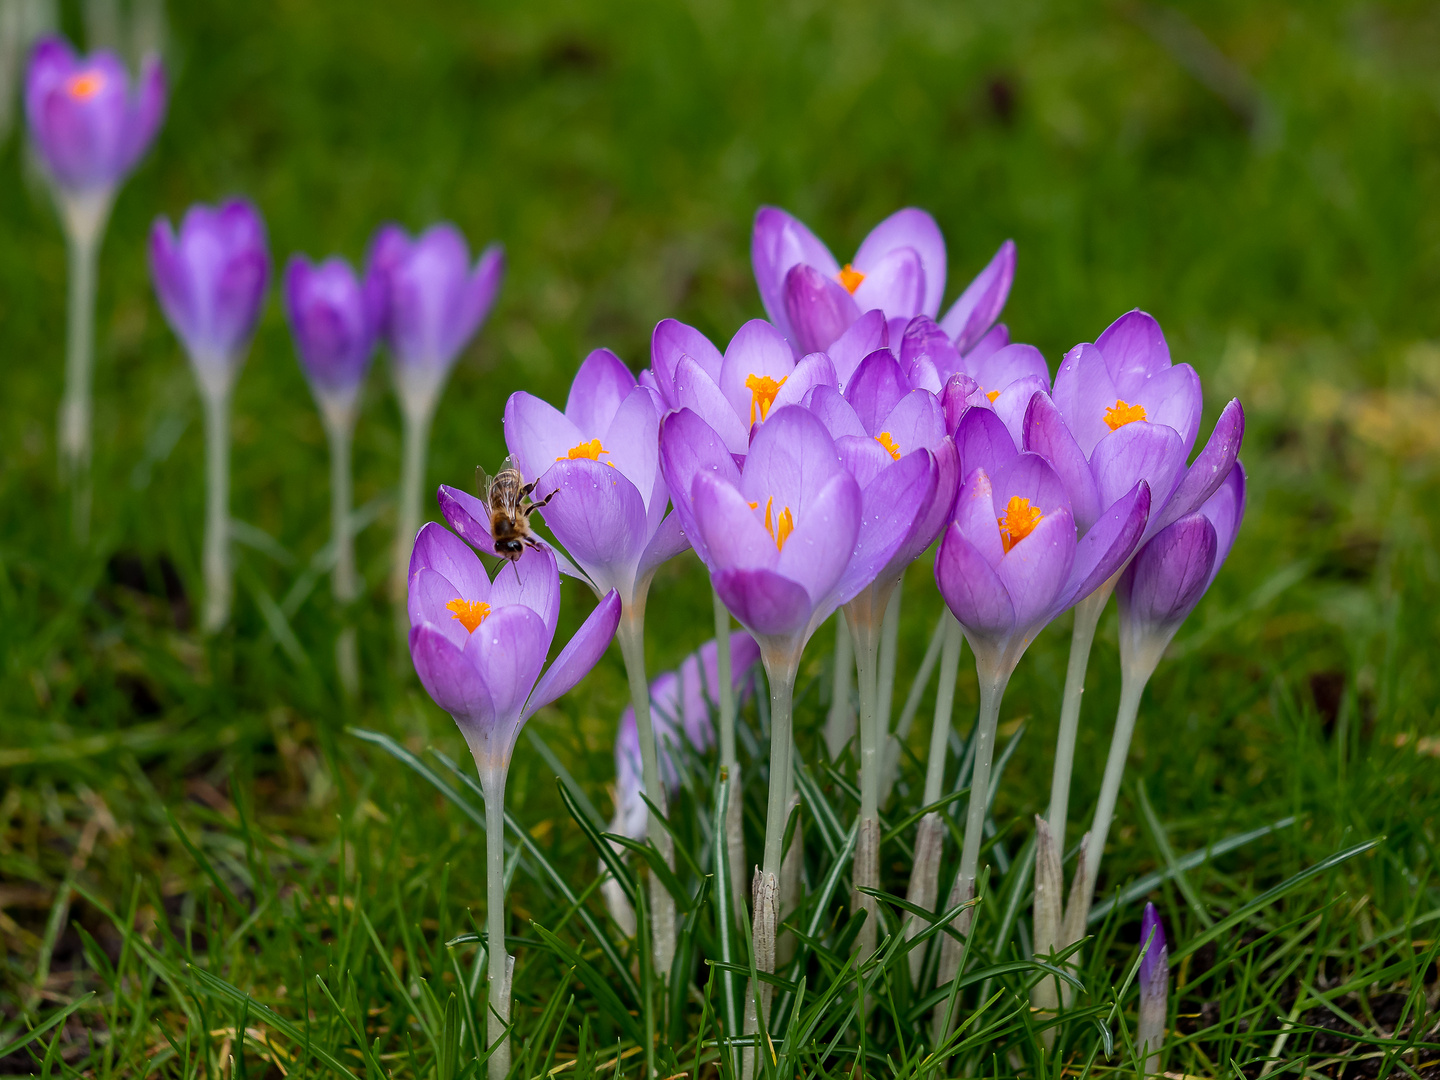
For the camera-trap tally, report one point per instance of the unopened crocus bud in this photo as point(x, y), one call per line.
point(1154, 989)
point(334, 318)
point(434, 302)
point(211, 281)
point(88, 124)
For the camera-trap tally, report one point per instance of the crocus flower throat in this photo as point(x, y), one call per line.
point(469, 613)
point(850, 278)
point(891, 447)
point(591, 450)
point(1018, 522)
point(1121, 413)
point(782, 526)
point(84, 85)
point(762, 394)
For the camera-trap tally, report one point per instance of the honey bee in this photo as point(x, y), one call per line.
point(507, 496)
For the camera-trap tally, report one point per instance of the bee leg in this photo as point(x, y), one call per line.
point(542, 502)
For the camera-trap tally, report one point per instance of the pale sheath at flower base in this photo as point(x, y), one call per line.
point(89, 125)
point(211, 279)
point(434, 300)
point(1154, 986)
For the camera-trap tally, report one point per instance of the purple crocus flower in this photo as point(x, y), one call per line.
point(789, 536)
point(1122, 412)
point(334, 318)
point(971, 317)
point(434, 301)
point(88, 125)
point(601, 458)
point(681, 704)
point(1011, 560)
point(211, 282)
point(899, 269)
point(876, 423)
point(734, 393)
point(479, 646)
point(1154, 990)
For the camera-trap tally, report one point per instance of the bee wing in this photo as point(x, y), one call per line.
point(483, 480)
point(511, 463)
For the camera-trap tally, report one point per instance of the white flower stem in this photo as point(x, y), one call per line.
point(840, 721)
point(930, 836)
point(1082, 637)
point(84, 218)
point(865, 871)
point(500, 964)
point(631, 636)
point(218, 583)
point(912, 704)
point(344, 581)
point(416, 420)
point(1135, 673)
point(994, 676)
point(734, 819)
point(889, 648)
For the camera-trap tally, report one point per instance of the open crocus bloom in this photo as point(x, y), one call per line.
point(1122, 412)
point(479, 646)
point(601, 459)
point(899, 269)
point(88, 126)
point(211, 281)
point(1173, 570)
point(737, 392)
point(1011, 561)
point(681, 704)
point(878, 422)
point(791, 536)
point(434, 299)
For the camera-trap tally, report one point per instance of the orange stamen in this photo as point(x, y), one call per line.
point(850, 278)
point(762, 394)
point(1121, 414)
point(471, 613)
point(1019, 522)
point(888, 443)
point(783, 527)
point(992, 395)
point(591, 450)
point(85, 85)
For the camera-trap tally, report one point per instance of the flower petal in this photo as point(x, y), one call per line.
point(730, 527)
point(1013, 402)
point(438, 549)
point(923, 340)
point(982, 301)
point(1134, 349)
point(891, 505)
point(601, 384)
point(598, 516)
point(1083, 391)
point(834, 412)
point(976, 516)
point(1226, 510)
point(1047, 435)
point(1172, 397)
point(763, 601)
point(997, 370)
point(877, 387)
point(533, 581)
point(915, 229)
point(1110, 541)
point(866, 334)
point(817, 308)
point(450, 678)
point(693, 389)
point(1029, 476)
point(819, 549)
point(812, 371)
point(756, 349)
point(689, 446)
point(672, 340)
point(791, 458)
point(916, 421)
point(777, 242)
point(580, 655)
point(633, 443)
point(894, 283)
point(1036, 569)
point(508, 650)
point(1138, 451)
point(971, 589)
point(538, 435)
point(669, 540)
point(427, 602)
point(983, 441)
point(1169, 575)
point(1209, 470)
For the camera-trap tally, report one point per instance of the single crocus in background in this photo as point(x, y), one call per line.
point(211, 280)
point(899, 269)
point(1154, 990)
point(479, 648)
point(598, 464)
point(433, 302)
point(681, 704)
point(334, 318)
point(89, 127)
point(1010, 563)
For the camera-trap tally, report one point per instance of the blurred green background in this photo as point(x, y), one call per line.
point(1263, 178)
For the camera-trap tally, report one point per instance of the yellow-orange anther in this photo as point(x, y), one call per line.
point(591, 450)
point(471, 613)
point(782, 528)
point(1121, 414)
point(762, 394)
point(992, 395)
point(1019, 521)
point(888, 443)
point(85, 85)
point(850, 278)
